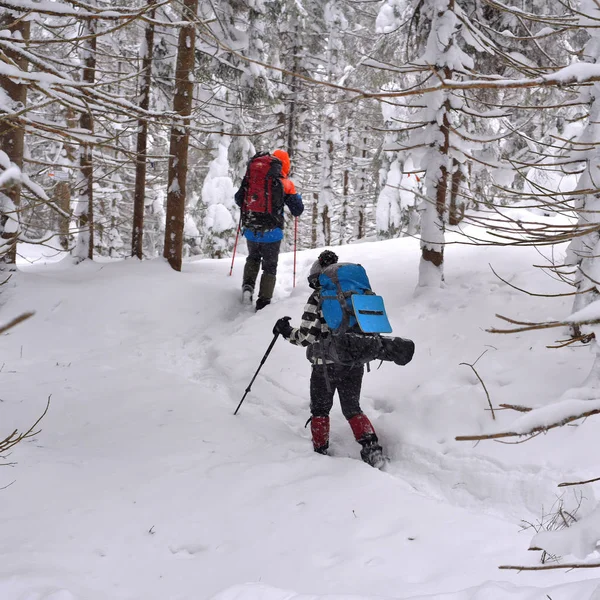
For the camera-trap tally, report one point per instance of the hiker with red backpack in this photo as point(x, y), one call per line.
point(264, 192)
point(340, 328)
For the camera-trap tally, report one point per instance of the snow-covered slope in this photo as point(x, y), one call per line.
point(142, 485)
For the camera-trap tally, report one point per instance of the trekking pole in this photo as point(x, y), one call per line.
point(235, 244)
point(295, 243)
point(262, 362)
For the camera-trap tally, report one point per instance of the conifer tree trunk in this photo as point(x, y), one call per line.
point(314, 221)
point(457, 204)
point(12, 135)
point(178, 151)
point(62, 191)
point(583, 251)
point(292, 102)
point(139, 197)
point(362, 191)
point(434, 219)
point(85, 242)
point(346, 189)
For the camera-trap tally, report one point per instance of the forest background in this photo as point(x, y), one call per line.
point(125, 129)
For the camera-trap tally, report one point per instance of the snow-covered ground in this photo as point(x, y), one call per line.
point(142, 485)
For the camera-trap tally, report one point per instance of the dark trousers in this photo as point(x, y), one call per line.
point(267, 253)
point(346, 380)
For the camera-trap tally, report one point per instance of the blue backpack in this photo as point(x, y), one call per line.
point(348, 303)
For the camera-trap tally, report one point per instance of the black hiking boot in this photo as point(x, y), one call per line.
point(262, 302)
point(372, 453)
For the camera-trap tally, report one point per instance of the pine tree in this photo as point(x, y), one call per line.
point(12, 133)
point(180, 133)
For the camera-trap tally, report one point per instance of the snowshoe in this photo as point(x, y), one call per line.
point(372, 454)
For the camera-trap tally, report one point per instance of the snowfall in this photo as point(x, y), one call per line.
point(142, 484)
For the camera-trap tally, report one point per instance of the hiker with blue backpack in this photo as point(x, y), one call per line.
point(341, 328)
point(264, 192)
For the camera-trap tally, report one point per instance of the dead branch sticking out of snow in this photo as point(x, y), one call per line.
point(527, 326)
point(566, 483)
point(15, 437)
point(481, 381)
point(15, 321)
point(516, 407)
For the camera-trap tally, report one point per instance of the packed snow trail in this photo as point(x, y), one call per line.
point(142, 483)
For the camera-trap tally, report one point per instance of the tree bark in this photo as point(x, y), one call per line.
point(326, 225)
point(62, 190)
point(12, 135)
point(361, 229)
point(294, 87)
point(178, 151)
point(139, 197)
point(314, 220)
point(457, 204)
point(85, 243)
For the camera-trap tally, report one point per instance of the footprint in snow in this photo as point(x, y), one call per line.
point(188, 551)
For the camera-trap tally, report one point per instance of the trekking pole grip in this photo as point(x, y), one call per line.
point(262, 362)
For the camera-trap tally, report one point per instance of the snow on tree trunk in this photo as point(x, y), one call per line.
point(63, 189)
point(457, 202)
point(326, 195)
point(584, 250)
point(330, 135)
point(388, 213)
point(217, 196)
point(433, 220)
point(360, 213)
point(12, 135)
point(180, 135)
point(445, 56)
point(139, 198)
point(84, 209)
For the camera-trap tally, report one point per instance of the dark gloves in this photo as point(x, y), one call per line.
point(283, 327)
point(294, 203)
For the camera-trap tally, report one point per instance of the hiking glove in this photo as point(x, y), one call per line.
point(283, 327)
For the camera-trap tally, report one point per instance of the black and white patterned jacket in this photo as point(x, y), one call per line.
point(312, 329)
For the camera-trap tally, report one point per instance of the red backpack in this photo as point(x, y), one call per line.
point(262, 207)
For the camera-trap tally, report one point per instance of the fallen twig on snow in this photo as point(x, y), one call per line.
point(540, 428)
point(16, 321)
point(548, 567)
point(566, 484)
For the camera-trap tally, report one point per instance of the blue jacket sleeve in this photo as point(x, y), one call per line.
point(294, 203)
